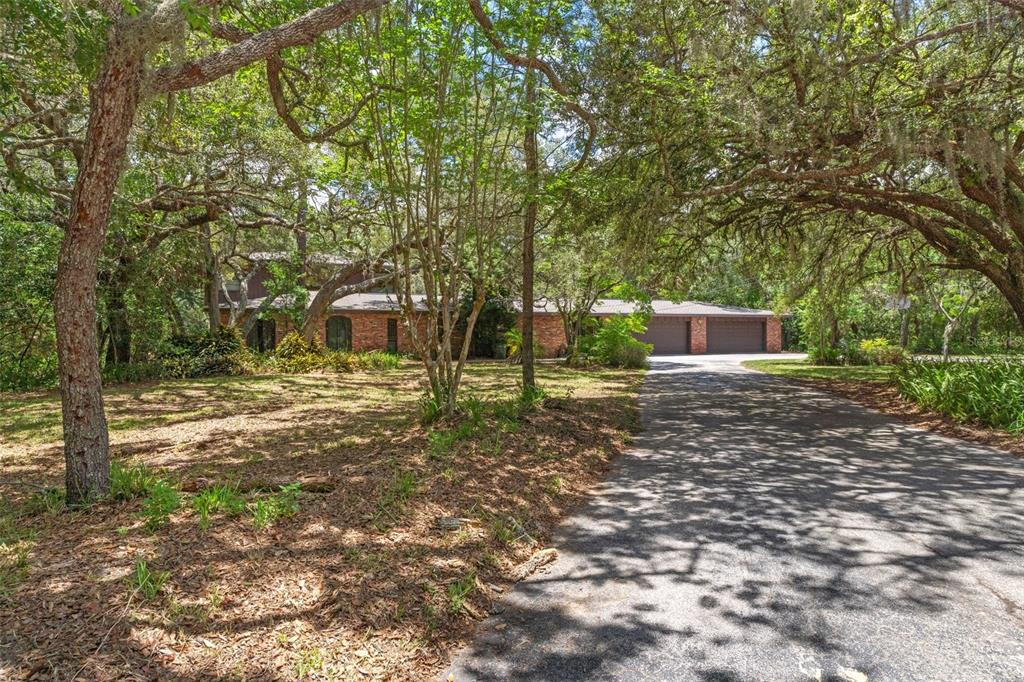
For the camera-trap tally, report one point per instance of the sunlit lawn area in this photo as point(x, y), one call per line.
point(801, 369)
point(358, 580)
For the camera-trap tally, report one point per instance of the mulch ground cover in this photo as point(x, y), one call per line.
point(400, 542)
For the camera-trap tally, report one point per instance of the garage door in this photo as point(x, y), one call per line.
point(670, 335)
point(732, 335)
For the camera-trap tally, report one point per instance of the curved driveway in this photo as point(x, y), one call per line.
point(759, 530)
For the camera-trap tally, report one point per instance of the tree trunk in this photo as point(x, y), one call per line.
point(114, 98)
point(947, 334)
point(904, 328)
point(529, 227)
point(211, 281)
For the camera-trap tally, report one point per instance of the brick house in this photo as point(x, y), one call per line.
point(679, 328)
point(372, 321)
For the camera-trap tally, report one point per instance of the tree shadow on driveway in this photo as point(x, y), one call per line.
point(763, 530)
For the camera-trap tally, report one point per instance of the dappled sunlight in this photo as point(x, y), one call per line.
point(355, 579)
point(773, 529)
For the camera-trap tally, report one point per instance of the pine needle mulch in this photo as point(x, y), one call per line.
point(399, 544)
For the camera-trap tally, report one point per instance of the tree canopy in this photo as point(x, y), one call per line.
point(855, 163)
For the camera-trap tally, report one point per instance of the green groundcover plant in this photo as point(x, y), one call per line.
point(990, 392)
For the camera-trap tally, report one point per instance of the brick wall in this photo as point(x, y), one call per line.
point(698, 335)
point(773, 341)
point(369, 330)
point(549, 333)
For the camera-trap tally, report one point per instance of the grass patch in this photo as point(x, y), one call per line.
point(394, 499)
point(801, 369)
point(162, 501)
point(221, 498)
point(265, 511)
point(15, 544)
point(146, 582)
point(130, 482)
point(459, 591)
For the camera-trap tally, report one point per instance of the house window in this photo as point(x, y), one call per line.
point(339, 333)
point(392, 335)
point(263, 336)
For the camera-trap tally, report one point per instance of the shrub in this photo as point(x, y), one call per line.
point(295, 355)
point(293, 345)
point(378, 359)
point(825, 355)
point(133, 373)
point(27, 373)
point(615, 345)
point(990, 392)
point(209, 354)
point(881, 351)
point(430, 408)
point(514, 346)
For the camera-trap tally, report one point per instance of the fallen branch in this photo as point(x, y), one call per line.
point(531, 565)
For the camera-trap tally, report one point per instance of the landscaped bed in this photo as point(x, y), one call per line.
point(879, 387)
point(376, 565)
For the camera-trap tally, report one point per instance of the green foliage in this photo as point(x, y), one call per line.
point(220, 353)
point(459, 591)
point(295, 355)
point(146, 582)
point(504, 532)
point(825, 355)
point(284, 503)
point(162, 500)
point(131, 481)
point(614, 343)
point(442, 440)
point(988, 392)
point(514, 346)
point(800, 369)
point(309, 661)
point(15, 544)
point(27, 373)
point(496, 317)
point(510, 411)
point(138, 372)
point(378, 359)
point(50, 501)
point(881, 351)
point(221, 498)
point(393, 500)
point(293, 345)
point(430, 408)
point(466, 423)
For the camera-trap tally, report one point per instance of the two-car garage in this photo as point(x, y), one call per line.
point(691, 327)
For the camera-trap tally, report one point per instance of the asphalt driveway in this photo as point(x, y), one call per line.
point(760, 530)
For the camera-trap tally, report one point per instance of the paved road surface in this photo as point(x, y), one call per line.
point(764, 531)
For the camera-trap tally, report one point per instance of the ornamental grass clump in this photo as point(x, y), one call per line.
point(988, 392)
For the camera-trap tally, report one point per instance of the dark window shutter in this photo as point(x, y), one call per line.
point(392, 335)
point(339, 333)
